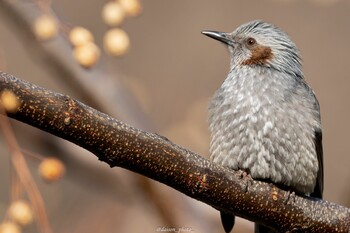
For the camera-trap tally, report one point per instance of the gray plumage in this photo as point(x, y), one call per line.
point(265, 119)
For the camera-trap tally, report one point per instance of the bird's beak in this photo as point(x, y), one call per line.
point(220, 36)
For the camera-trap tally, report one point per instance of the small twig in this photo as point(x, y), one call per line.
point(33, 155)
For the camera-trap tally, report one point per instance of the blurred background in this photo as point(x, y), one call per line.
point(163, 84)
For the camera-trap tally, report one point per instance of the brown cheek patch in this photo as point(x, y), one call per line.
point(260, 56)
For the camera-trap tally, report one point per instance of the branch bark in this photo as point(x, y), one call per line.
point(158, 158)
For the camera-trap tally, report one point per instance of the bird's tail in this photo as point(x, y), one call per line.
point(228, 221)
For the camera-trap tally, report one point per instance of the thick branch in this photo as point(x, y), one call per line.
point(158, 158)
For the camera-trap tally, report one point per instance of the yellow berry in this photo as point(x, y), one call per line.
point(116, 42)
point(87, 54)
point(51, 169)
point(20, 212)
point(9, 101)
point(45, 27)
point(79, 36)
point(131, 7)
point(113, 13)
point(9, 227)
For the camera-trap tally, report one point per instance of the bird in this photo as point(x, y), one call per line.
point(265, 119)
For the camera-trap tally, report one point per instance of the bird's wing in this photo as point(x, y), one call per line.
point(318, 191)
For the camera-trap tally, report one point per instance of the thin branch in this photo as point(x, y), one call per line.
point(158, 158)
point(24, 176)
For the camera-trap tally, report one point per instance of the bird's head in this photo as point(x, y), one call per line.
point(258, 43)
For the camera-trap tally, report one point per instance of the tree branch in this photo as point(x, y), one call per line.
point(158, 158)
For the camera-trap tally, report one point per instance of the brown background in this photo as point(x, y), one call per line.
point(174, 70)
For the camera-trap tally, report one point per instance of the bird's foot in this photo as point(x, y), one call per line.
point(246, 177)
point(290, 196)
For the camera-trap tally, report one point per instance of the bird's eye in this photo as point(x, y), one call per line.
point(251, 41)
